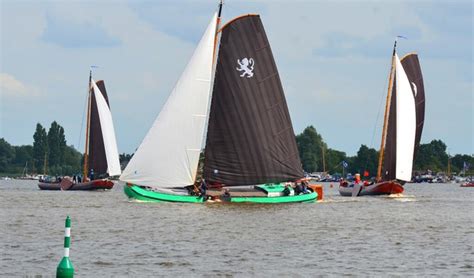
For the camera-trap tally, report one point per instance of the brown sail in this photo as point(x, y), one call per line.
point(97, 158)
point(412, 68)
point(390, 155)
point(250, 138)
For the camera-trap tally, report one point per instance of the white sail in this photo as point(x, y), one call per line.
point(406, 123)
point(108, 133)
point(169, 154)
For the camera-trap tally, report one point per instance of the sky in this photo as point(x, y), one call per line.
point(333, 58)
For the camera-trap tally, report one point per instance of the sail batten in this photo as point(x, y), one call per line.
point(163, 158)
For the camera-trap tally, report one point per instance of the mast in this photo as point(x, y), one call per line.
point(387, 112)
point(86, 150)
point(324, 160)
point(45, 162)
point(449, 166)
point(218, 22)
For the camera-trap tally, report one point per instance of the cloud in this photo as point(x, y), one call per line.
point(333, 58)
point(10, 86)
point(77, 35)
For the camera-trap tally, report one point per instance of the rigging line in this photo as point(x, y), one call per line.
point(375, 125)
point(82, 124)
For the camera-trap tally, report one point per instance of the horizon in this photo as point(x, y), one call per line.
point(141, 49)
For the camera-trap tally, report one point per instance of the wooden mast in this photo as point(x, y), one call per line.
point(387, 112)
point(86, 150)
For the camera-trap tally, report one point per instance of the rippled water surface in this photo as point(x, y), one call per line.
point(428, 231)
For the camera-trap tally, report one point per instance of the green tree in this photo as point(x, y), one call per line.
point(71, 161)
point(432, 156)
point(40, 146)
point(56, 145)
point(457, 163)
point(365, 160)
point(7, 155)
point(310, 145)
point(334, 159)
point(23, 156)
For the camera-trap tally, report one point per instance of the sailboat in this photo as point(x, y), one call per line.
point(403, 124)
point(229, 102)
point(101, 159)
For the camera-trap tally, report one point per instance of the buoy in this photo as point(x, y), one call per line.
point(65, 268)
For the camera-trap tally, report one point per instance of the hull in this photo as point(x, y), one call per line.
point(467, 184)
point(142, 194)
point(381, 188)
point(92, 185)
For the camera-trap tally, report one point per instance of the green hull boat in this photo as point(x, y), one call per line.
point(223, 125)
point(141, 194)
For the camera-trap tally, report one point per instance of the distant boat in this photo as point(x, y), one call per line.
point(468, 184)
point(403, 124)
point(101, 159)
point(250, 147)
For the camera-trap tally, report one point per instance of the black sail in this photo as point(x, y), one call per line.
point(97, 159)
point(412, 68)
point(250, 138)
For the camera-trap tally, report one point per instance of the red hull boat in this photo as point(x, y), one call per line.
point(468, 184)
point(381, 188)
point(401, 133)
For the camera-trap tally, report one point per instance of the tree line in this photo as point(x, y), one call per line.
point(50, 154)
point(317, 157)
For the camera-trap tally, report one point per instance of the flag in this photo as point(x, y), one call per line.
point(466, 166)
point(344, 164)
point(366, 173)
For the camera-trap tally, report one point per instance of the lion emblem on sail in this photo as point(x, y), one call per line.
point(246, 67)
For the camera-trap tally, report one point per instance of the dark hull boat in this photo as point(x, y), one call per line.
point(401, 134)
point(250, 147)
point(101, 155)
point(92, 185)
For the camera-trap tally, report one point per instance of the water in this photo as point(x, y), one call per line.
point(428, 231)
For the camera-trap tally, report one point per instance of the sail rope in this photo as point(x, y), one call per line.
point(375, 125)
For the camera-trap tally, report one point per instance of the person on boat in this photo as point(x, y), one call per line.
point(357, 179)
point(91, 174)
point(304, 185)
point(203, 189)
point(226, 195)
point(298, 188)
point(286, 191)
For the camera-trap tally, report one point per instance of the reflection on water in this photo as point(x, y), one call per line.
point(426, 231)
